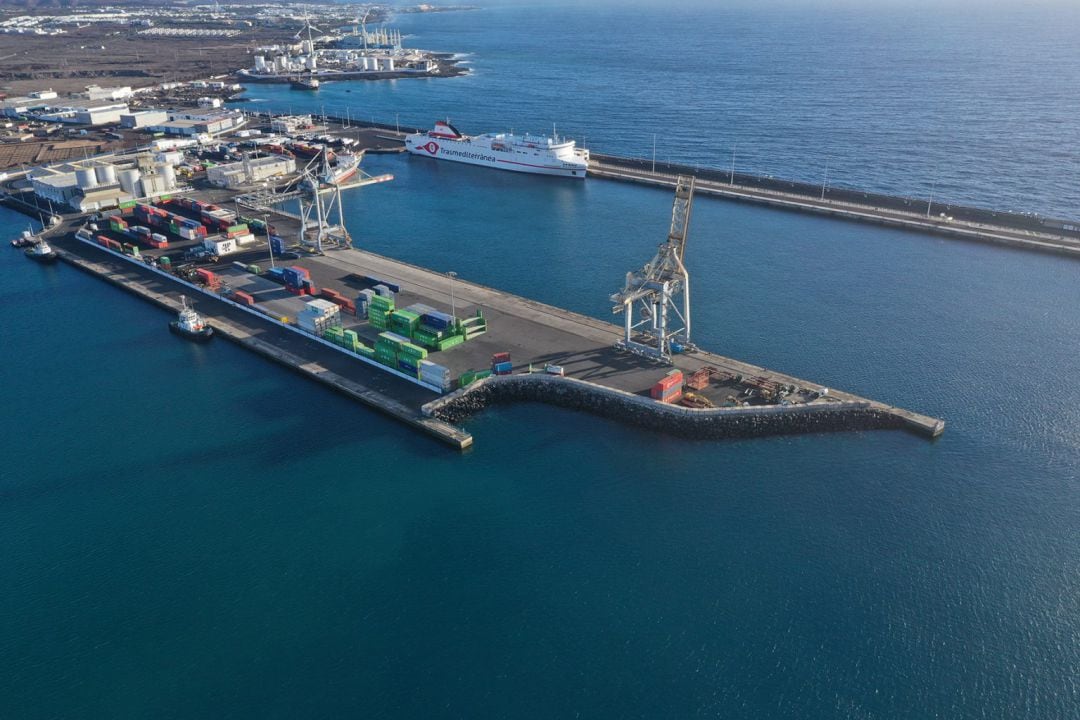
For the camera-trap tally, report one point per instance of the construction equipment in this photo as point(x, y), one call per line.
point(693, 400)
point(664, 327)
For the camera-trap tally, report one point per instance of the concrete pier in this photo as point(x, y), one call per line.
point(959, 222)
point(599, 378)
point(935, 225)
point(373, 388)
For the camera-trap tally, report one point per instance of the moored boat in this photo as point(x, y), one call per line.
point(344, 167)
point(26, 239)
point(41, 252)
point(189, 324)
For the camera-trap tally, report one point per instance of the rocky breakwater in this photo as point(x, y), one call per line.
point(819, 416)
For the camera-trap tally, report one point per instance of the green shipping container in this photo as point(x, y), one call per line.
point(414, 351)
point(450, 342)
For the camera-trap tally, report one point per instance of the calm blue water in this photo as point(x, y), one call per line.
point(181, 543)
point(971, 104)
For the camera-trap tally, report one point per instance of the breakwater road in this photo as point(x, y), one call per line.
point(976, 232)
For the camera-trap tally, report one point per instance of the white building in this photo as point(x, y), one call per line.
point(89, 113)
point(143, 118)
point(209, 102)
point(95, 184)
point(290, 124)
point(96, 92)
point(250, 171)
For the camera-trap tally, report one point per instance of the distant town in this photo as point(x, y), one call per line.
point(76, 84)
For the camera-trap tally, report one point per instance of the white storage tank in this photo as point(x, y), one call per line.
point(106, 174)
point(129, 180)
point(386, 64)
point(260, 63)
point(151, 185)
point(86, 178)
point(168, 176)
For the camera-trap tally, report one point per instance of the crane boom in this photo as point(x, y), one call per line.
point(656, 289)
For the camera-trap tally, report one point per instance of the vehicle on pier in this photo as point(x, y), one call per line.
point(190, 325)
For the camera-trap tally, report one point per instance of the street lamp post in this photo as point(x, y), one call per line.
point(453, 305)
point(930, 202)
point(269, 246)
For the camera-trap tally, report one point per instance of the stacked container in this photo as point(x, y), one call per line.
point(669, 389)
point(404, 322)
point(318, 316)
point(207, 277)
point(435, 374)
point(340, 300)
point(379, 311)
point(297, 280)
point(363, 300)
point(410, 357)
point(388, 348)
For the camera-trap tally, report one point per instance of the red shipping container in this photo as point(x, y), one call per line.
point(673, 397)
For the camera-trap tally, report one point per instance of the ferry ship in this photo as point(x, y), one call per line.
point(521, 153)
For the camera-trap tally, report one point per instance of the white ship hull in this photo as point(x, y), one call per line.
point(539, 155)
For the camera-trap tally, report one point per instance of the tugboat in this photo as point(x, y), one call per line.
point(189, 324)
point(41, 252)
point(27, 239)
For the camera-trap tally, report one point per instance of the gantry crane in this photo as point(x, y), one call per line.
point(319, 201)
point(658, 288)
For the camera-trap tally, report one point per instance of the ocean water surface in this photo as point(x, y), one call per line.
point(193, 532)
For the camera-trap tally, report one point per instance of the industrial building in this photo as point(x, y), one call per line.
point(96, 92)
point(194, 124)
point(250, 171)
point(92, 185)
point(95, 112)
point(143, 119)
point(290, 124)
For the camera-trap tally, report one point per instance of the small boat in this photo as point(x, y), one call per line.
point(27, 239)
point(190, 325)
point(41, 252)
